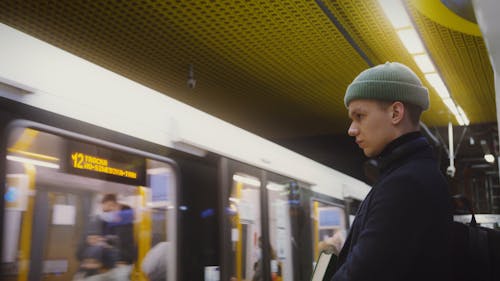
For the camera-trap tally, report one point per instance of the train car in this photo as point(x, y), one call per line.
point(98, 171)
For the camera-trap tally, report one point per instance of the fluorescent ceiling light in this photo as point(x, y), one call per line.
point(247, 180)
point(463, 115)
point(411, 41)
point(489, 158)
point(453, 108)
point(275, 187)
point(451, 105)
point(460, 121)
point(424, 63)
point(437, 83)
point(32, 161)
point(395, 12)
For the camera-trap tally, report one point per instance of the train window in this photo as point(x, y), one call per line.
point(76, 209)
point(246, 233)
point(329, 226)
point(281, 199)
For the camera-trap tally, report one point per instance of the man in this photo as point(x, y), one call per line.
point(402, 228)
point(118, 230)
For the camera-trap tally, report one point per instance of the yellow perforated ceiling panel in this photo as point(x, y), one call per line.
point(463, 62)
point(461, 58)
point(277, 68)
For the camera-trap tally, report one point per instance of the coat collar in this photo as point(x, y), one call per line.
point(397, 150)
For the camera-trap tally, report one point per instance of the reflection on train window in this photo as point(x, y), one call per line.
point(329, 227)
point(246, 228)
point(75, 210)
point(281, 199)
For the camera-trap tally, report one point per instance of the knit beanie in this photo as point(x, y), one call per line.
point(391, 81)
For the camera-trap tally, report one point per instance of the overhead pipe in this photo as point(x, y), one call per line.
point(344, 32)
point(429, 134)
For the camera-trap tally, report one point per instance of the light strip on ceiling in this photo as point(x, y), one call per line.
point(396, 13)
point(32, 161)
point(400, 20)
point(411, 41)
point(424, 63)
point(435, 80)
point(451, 105)
point(275, 186)
point(463, 115)
point(247, 180)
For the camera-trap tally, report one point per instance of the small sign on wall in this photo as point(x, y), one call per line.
point(63, 215)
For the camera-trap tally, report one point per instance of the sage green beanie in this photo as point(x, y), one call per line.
point(391, 81)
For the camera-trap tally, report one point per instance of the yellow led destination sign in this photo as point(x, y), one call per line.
point(84, 161)
point(104, 163)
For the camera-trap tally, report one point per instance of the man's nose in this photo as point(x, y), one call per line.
point(352, 131)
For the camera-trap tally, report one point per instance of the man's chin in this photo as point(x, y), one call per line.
point(369, 153)
point(366, 152)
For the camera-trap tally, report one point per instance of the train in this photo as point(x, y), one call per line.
point(228, 204)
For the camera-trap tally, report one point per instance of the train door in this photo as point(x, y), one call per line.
point(243, 216)
point(260, 212)
point(283, 214)
point(77, 208)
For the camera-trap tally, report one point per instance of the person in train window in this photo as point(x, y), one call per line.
point(95, 255)
point(257, 266)
point(154, 264)
point(334, 243)
point(402, 228)
point(118, 230)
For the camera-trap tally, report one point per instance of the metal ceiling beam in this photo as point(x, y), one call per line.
point(344, 32)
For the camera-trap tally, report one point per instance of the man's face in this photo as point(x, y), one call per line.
point(371, 125)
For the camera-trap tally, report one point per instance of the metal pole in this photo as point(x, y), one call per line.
point(451, 169)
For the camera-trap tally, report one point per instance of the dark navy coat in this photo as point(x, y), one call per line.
point(402, 228)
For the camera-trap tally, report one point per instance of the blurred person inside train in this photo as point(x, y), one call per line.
point(402, 228)
point(154, 264)
point(333, 244)
point(276, 273)
point(257, 266)
point(95, 255)
point(118, 229)
point(114, 229)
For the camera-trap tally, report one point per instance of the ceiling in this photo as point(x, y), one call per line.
point(276, 68)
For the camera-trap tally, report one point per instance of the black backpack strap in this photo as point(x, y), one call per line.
point(478, 247)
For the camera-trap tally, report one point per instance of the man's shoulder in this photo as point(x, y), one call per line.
point(417, 168)
point(420, 182)
point(416, 173)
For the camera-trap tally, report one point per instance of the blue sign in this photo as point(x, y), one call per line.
point(329, 218)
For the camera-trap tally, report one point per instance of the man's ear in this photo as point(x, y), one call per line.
point(398, 112)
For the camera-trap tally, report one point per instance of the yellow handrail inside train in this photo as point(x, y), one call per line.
point(25, 245)
point(142, 233)
point(33, 155)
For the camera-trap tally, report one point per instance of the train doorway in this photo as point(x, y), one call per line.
point(261, 213)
